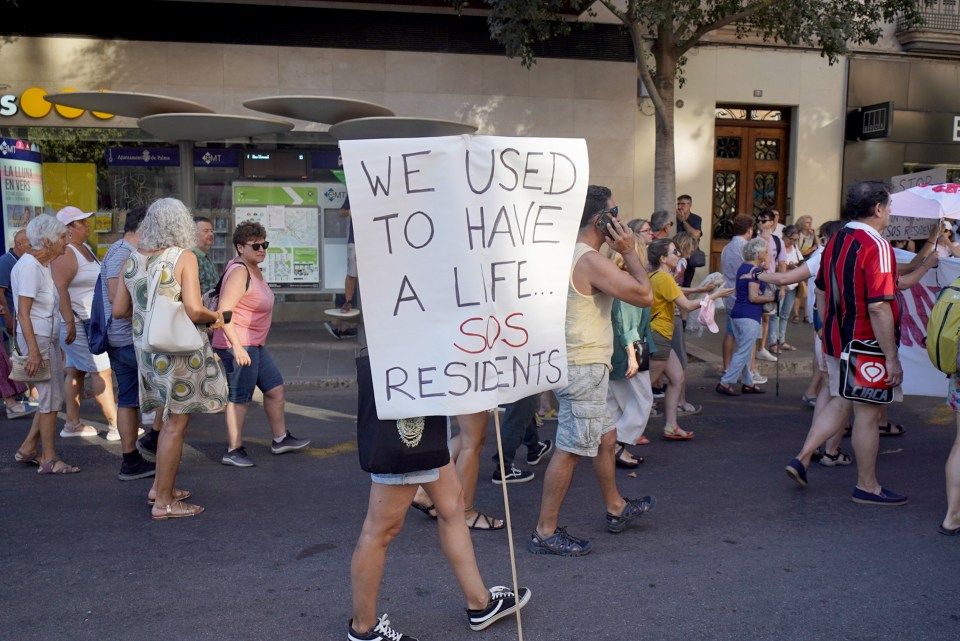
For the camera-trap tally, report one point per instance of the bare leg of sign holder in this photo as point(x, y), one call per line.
point(506, 508)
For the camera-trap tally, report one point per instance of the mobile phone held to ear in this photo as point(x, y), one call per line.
point(602, 222)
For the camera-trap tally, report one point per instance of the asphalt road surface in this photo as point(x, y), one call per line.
point(733, 551)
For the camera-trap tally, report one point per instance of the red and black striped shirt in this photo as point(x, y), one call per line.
point(858, 268)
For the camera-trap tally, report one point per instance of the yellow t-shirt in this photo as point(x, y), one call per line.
point(665, 291)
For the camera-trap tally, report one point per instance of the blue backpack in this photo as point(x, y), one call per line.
point(99, 323)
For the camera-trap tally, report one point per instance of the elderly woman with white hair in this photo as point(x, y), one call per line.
point(179, 384)
point(745, 318)
point(38, 327)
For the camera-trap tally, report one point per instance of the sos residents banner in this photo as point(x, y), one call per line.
point(463, 254)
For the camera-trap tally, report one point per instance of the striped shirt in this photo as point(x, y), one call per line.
point(858, 268)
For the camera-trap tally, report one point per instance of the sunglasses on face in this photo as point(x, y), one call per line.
point(256, 246)
point(612, 211)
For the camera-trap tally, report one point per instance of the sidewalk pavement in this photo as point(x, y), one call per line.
point(309, 357)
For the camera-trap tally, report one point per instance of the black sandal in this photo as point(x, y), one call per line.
point(622, 462)
point(891, 429)
point(429, 510)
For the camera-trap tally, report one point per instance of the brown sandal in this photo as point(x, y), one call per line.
point(26, 458)
point(175, 510)
point(51, 468)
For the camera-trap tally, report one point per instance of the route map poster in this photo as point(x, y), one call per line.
point(289, 213)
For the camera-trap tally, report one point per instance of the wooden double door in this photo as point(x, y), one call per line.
point(750, 167)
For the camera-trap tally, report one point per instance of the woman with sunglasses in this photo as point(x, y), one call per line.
point(241, 346)
point(663, 256)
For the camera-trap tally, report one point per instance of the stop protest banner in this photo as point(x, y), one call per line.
point(463, 248)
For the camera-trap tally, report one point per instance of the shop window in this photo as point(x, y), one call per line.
point(728, 147)
point(726, 186)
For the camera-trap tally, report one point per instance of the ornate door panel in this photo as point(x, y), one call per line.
point(749, 173)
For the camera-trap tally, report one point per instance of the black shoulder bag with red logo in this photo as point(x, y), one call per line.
point(863, 372)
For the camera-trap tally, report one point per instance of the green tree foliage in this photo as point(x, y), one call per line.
point(662, 32)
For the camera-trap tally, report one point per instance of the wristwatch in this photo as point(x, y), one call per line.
point(756, 274)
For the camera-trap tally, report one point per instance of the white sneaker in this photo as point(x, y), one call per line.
point(765, 355)
point(758, 378)
point(78, 430)
point(113, 434)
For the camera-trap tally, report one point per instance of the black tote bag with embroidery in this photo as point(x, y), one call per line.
point(396, 447)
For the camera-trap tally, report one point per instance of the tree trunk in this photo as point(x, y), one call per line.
point(665, 165)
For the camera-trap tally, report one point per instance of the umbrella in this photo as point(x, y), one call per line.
point(928, 201)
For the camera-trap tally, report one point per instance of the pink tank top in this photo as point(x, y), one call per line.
point(251, 316)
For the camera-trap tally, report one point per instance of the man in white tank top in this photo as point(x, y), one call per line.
point(583, 428)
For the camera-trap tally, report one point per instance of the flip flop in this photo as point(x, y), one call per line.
point(429, 510)
point(488, 523)
point(948, 532)
point(643, 440)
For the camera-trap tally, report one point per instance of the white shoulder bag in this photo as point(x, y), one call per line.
point(168, 328)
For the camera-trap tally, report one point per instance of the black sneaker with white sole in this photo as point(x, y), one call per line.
point(238, 458)
point(289, 444)
point(140, 470)
point(503, 603)
point(513, 475)
point(380, 632)
point(536, 454)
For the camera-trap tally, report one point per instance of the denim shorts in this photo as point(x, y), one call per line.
point(582, 418)
point(420, 477)
point(262, 372)
point(78, 354)
point(123, 361)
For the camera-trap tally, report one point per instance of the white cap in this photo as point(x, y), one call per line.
point(69, 214)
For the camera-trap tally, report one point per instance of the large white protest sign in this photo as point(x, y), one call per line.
point(463, 252)
point(920, 377)
point(909, 228)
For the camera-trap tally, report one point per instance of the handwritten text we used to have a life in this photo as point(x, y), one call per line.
point(468, 242)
